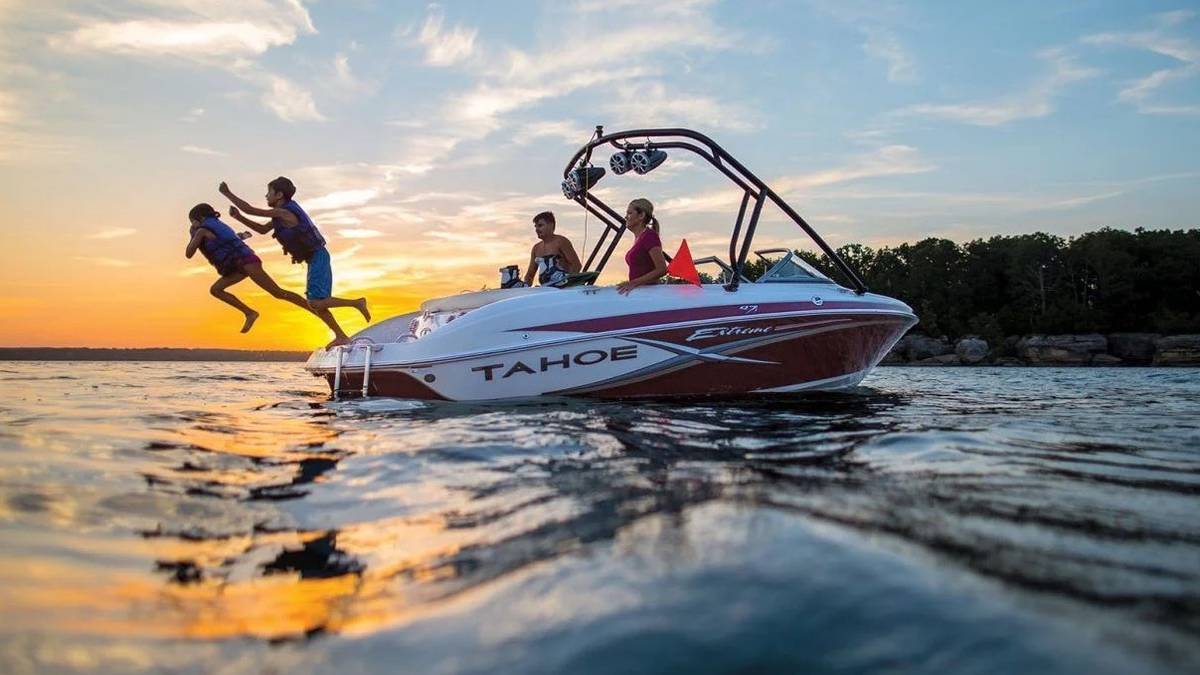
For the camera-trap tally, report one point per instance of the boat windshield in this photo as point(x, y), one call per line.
point(791, 269)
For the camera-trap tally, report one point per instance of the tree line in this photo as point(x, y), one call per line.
point(1104, 281)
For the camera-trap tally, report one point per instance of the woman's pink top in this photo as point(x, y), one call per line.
point(638, 258)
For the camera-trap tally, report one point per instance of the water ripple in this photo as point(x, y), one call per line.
point(934, 520)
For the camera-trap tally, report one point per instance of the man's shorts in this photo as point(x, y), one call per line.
point(320, 276)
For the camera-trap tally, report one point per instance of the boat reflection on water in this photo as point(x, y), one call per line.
point(266, 581)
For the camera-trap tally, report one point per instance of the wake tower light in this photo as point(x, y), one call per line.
point(581, 180)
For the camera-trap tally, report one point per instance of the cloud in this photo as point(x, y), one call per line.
point(202, 30)
point(31, 145)
point(344, 77)
point(192, 115)
point(177, 39)
point(445, 47)
point(475, 114)
point(342, 80)
point(354, 233)
point(21, 135)
point(1140, 92)
point(1157, 41)
point(479, 111)
point(515, 209)
point(627, 44)
point(112, 233)
point(891, 160)
point(661, 7)
point(872, 20)
point(348, 195)
point(195, 271)
point(1035, 102)
point(349, 179)
point(674, 166)
point(652, 104)
point(8, 108)
point(289, 101)
point(105, 262)
point(961, 204)
point(341, 67)
point(423, 150)
point(441, 196)
point(882, 44)
point(513, 79)
point(1143, 92)
point(1074, 202)
point(487, 102)
point(341, 199)
point(1174, 17)
point(197, 150)
point(212, 33)
point(567, 132)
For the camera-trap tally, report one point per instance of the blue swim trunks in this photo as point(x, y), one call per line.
point(320, 275)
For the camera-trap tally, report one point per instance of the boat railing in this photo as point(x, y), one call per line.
point(368, 346)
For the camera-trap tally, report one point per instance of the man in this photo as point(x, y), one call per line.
point(552, 257)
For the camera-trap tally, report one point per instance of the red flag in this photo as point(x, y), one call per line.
point(682, 267)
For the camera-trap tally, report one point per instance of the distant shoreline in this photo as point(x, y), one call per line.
point(147, 354)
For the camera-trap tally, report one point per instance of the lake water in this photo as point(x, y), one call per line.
point(213, 517)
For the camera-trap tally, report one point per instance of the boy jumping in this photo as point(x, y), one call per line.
point(300, 239)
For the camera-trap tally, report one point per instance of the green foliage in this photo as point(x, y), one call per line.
point(755, 268)
point(1105, 281)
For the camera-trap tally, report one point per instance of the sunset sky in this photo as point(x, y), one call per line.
point(423, 137)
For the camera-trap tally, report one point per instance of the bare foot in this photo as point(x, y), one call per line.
point(361, 304)
point(251, 317)
point(336, 342)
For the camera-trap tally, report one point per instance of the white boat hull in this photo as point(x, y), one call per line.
point(659, 341)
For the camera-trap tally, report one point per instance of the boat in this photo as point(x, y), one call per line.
point(792, 329)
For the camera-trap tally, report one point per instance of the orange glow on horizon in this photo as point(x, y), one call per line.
point(146, 307)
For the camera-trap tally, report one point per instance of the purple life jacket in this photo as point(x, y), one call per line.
point(301, 240)
point(226, 250)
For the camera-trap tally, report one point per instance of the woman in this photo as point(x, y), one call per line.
point(645, 258)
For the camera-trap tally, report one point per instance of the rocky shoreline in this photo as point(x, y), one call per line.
point(1092, 349)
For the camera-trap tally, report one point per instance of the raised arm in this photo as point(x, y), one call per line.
point(256, 226)
point(287, 216)
point(198, 237)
